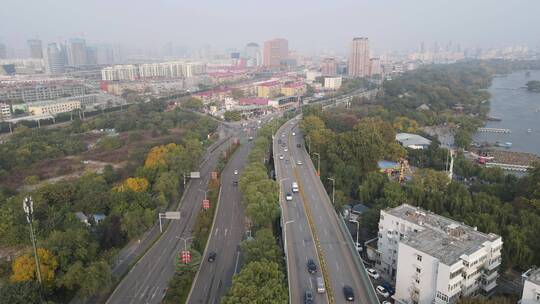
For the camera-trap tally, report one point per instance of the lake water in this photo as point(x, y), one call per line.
point(519, 110)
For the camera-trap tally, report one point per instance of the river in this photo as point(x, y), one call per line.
point(519, 110)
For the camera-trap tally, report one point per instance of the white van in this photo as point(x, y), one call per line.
point(320, 285)
point(294, 187)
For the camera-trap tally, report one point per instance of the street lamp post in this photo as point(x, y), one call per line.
point(28, 206)
point(333, 191)
point(318, 164)
point(185, 240)
point(205, 192)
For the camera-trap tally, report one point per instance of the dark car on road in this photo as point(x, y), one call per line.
point(308, 297)
point(298, 145)
point(348, 293)
point(389, 288)
point(212, 256)
point(235, 183)
point(311, 266)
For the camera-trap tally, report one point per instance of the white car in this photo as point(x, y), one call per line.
point(288, 197)
point(293, 134)
point(299, 163)
point(282, 134)
point(373, 273)
point(235, 171)
point(359, 247)
point(382, 291)
point(386, 302)
point(285, 149)
point(281, 156)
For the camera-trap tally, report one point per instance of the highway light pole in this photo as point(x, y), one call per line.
point(333, 191)
point(28, 206)
point(185, 240)
point(205, 192)
point(318, 164)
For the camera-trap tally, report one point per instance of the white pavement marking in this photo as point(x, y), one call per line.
point(226, 231)
point(337, 266)
point(215, 233)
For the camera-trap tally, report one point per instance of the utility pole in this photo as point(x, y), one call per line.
point(333, 191)
point(28, 206)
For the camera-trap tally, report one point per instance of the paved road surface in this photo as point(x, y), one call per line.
point(298, 241)
point(147, 280)
point(214, 278)
point(344, 267)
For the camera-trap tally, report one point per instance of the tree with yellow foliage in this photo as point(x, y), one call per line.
point(135, 184)
point(404, 124)
point(24, 267)
point(157, 155)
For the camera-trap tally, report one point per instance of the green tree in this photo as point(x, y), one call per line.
point(94, 279)
point(232, 116)
point(262, 247)
point(71, 246)
point(21, 293)
point(258, 282)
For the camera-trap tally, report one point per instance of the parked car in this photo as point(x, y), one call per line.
point(382, 291)
point(281, 156)
point(212, 256)
point(285, 149)
point(235, 183)
point(311, 266)
point(235, 172)
point(298, 145)
point(293, 134)
point(389, 287)
point(373, 273)
point(348, 293)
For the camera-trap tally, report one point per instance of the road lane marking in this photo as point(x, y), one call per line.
point(236, 264)
point(216, 232)
point(226, 231)
point(337, 265)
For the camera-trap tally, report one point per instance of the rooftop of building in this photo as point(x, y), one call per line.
point(408, 139)
point(443, 238)
point(254, 101)
point(293, 85)
point(52, 101)
point(533, 275)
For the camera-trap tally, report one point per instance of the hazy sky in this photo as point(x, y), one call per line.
point(309, 25)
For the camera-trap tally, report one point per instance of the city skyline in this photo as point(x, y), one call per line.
point(404, 27)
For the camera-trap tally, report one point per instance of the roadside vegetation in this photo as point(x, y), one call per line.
point(119, 204)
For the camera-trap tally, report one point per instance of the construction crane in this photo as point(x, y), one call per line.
point(403, 170)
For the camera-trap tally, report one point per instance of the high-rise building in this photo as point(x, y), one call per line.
point(359, 57)
point(91, 55)
point(35, 48)
point(253, 54)
point(434, 259)
point(105, 54)
point(329, 67)
point(275, 52)
point(375, 67)
point(55, 59)
point(77, 52)
point(3, 51)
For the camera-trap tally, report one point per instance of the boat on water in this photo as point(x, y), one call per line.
point(529, 130)
point(503, 144)
point(494, 118)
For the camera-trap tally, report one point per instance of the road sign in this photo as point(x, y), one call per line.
point(206, 204)
point(195, 175)
point(185, 256)
point(172, 215)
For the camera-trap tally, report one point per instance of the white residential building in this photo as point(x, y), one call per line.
point(5, 111)
point(120, 72)
point(531, 287)
point(332, 83)
point(433, 259)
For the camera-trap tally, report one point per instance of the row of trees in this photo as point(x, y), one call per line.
point(262, 277)
point(76, 256)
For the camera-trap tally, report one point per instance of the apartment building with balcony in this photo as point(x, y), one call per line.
point(433, 259)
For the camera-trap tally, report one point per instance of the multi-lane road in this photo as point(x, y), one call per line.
point(298, 240)
point(214, 278)
point(146, 282)
point(312, 203)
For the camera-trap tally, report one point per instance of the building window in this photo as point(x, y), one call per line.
point(419, 258)
point(418, 270)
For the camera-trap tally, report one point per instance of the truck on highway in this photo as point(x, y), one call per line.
point(294, 187)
